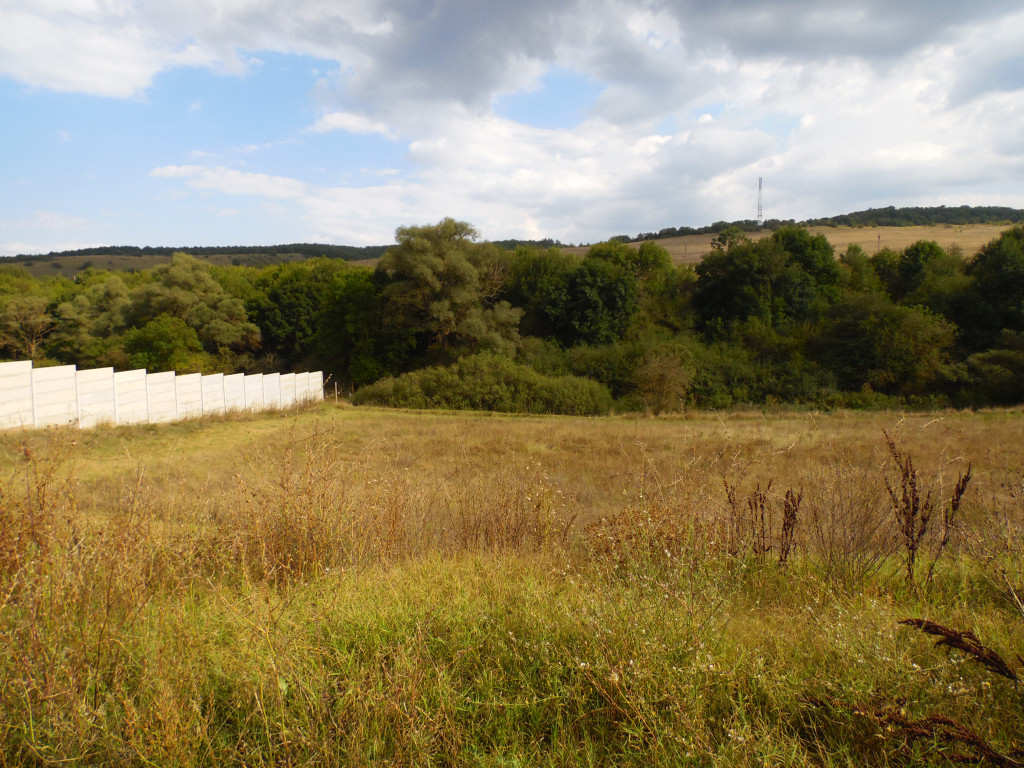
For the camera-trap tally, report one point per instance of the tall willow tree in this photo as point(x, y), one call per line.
point(443, 287)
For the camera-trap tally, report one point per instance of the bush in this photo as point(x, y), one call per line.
point(489, 383)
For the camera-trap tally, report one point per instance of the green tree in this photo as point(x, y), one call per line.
point(870, 341)
point(911, 267)
point(663, 379)
point(997, 295)
point(996, 376)
point(601, 300)
point(166, 343)
point(538, 283)
point(856, 272)
point(25, 324)
point(445, 287)
point(288, 305)
point(785, 279)
point(91, 322)
point(727, 238)
point(186, 289)
point(642, 262)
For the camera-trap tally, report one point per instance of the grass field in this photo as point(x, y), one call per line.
point(689, 249)
point(345, 586)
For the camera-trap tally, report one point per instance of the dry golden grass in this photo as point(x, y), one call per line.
point(345, 586)
point(599, 463)
point(690, 249)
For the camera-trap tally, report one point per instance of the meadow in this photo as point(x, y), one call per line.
point(354, 586)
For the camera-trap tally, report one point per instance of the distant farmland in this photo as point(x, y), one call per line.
point(690, 249)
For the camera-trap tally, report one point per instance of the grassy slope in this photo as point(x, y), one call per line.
point(355, 586)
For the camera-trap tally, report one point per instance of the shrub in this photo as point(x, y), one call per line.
point(489, 383)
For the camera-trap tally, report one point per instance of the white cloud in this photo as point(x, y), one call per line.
point(233, 182)
point(352, 123)
point(837, 106)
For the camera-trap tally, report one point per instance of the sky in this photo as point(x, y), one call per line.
point(259, 122)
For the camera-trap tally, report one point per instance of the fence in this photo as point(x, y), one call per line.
point(43, 397)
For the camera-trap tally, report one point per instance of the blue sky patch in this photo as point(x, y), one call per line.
point(562, 101)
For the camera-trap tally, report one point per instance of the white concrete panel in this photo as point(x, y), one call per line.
point(96, 404)
point(54, 395)
point(234, 392)
point(163, 401)
point(189, 391)
point(16, 394)
point(271, 390)
point(287, 390)
point(131, 396)
point(301, 388)
point(254, 392)
point(213, 393)
point(316, 385)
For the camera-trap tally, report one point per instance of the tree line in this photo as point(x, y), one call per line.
point(447, 320)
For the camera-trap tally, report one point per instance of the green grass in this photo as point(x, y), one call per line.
point(361, 587)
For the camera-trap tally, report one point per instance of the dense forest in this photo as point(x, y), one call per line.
point(447, 320)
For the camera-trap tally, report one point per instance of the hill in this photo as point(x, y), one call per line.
point(968, 227)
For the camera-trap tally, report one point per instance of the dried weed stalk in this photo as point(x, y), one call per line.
point(965, 641)
point(751, 526)
point(894, 724)
point(914, 513)
point(944, 730)
point(790, 513)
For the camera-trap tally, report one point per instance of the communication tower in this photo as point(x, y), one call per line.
point(760, 187)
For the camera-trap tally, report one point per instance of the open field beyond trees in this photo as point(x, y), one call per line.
point(690, 249)
point(348, 586)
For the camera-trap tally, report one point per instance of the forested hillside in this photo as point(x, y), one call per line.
point(446, 320)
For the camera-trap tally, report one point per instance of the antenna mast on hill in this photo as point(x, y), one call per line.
point(760, 186)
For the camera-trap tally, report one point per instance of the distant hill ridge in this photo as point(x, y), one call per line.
point(889, 216)
point(917, 216)
point(256, 253)
point(269, 254)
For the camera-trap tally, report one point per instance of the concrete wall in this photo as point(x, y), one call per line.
point(213, 394)
point(271, 390)
point(43, 397)
point(54, 396)
point(316, 386)
point(162, 396)
point(130, 393)
point(188, 390)
point(254, 392)
point(96, 401)
point(287, 390)
point(16, 395)
point(234, 392)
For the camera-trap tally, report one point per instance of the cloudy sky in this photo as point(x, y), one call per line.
point(236, 122)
